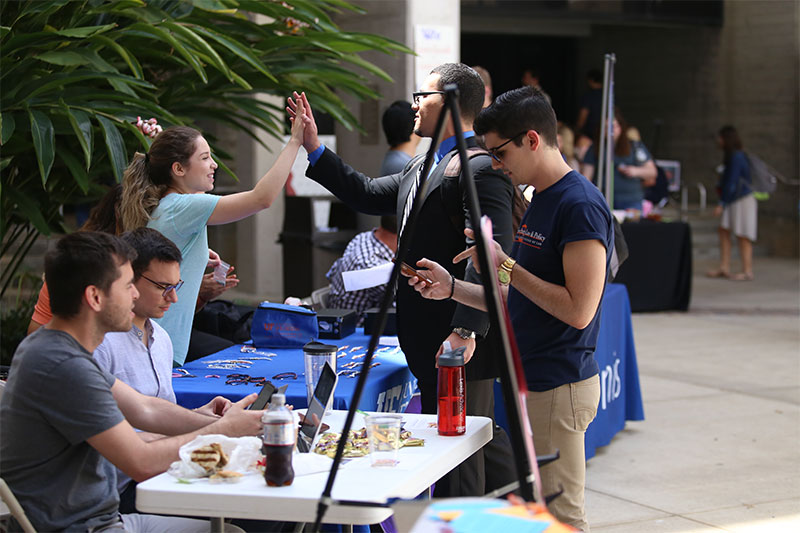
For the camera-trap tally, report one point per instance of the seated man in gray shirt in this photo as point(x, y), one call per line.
point(142, 356)
point(65, 423)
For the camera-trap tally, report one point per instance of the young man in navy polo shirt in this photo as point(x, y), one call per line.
point(554, 281)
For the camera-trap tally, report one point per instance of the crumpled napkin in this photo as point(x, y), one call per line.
point(243, 454)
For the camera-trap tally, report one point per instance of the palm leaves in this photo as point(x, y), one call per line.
point(75, 74)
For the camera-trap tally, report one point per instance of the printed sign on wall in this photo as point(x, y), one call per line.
point(434, 45)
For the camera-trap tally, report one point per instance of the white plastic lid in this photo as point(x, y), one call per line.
point(277, 400)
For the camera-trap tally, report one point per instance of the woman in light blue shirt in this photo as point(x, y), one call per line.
point(165, 189)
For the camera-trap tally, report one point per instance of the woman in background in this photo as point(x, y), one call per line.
point(634, 168)
point(566, 145)
point(737, 209)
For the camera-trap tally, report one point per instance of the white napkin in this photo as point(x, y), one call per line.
point(310, 463)
point(243, 454)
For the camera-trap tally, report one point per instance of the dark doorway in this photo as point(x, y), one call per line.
point(507, 56)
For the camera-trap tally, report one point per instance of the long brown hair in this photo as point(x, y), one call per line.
point(623, 145)
point(149, 175)
point(104, 216)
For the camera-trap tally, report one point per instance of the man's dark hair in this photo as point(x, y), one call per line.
point(150, 245)
point(516, 111)
point(470, 87)
point(79, 260)
point(398, 123)
point(389, 223)
point(596, 75)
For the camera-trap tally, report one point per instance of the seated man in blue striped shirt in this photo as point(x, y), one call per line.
point(142, 356)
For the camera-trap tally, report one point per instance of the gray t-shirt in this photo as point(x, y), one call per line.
point(394, 162)
point(56, 397)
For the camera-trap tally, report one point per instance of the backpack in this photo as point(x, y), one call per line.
point(763, 178)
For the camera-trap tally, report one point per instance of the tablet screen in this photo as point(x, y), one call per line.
point(319, 401)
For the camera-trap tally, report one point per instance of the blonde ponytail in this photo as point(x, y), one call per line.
point(140, 195)
point(149, 175)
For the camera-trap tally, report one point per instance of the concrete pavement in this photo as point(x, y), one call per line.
point(719, 449)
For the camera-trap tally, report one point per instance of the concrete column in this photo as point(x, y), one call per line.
point(251, 243)
point(397, 21)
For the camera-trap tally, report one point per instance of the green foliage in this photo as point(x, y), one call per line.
point(14, 320)
point(76, 73)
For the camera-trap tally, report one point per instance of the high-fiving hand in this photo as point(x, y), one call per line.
point(299, 106)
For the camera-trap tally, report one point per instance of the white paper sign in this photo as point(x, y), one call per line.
point(434, 45)
point(355, 280)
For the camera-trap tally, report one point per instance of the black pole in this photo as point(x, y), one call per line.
point(402, 248)
point(522, 460)
point(508, 377)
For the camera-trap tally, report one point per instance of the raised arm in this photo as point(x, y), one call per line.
point(237, 206)
point(360, 192)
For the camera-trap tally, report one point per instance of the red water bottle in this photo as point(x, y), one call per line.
point(280, 433)
point(452, 393)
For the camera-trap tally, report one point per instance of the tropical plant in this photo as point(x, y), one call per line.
point(16, 318)
point(75, 74)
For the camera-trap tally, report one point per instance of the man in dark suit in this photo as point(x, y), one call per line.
point(423, 325)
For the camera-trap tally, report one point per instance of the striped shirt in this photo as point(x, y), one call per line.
point(363, 251)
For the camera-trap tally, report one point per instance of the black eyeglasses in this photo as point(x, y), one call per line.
point(417, 96)
point(165, 287)
point(493, 151)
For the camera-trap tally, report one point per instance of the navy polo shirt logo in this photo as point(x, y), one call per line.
point(534, 239)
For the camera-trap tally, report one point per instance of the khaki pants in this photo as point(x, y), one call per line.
point(559, 418)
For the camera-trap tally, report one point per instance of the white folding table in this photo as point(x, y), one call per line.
point(418, 468)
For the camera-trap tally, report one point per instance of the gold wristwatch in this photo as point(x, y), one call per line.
point(504, 271)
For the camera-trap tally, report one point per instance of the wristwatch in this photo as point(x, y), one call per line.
point(464, 333)
point(504, 271)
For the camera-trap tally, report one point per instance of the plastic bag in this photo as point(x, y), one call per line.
point(243, 454)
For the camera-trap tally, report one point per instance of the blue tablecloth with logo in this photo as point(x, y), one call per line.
point(389, 386)
point(620, 395)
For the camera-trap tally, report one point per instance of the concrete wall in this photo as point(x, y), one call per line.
point(251, 244)
point(694, 80)
point(389, 19)
point(394, 20)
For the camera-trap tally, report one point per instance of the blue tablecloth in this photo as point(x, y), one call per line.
point(620, 395)
point(389, 386)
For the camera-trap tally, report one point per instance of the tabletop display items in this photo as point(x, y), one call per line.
point(452, 393)
point(280, 433)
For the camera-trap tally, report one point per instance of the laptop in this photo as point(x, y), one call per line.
point(312, 421)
